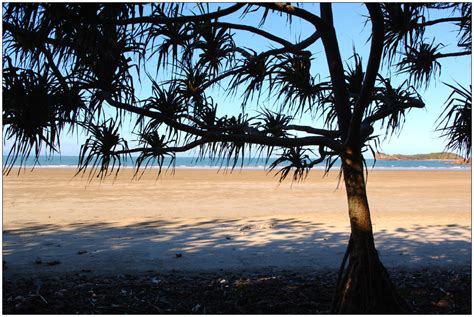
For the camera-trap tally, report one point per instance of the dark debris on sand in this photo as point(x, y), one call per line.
point(434, 291)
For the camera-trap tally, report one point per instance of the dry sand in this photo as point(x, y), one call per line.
point(240, 221)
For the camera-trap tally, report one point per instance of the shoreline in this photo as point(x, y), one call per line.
point(461, 167)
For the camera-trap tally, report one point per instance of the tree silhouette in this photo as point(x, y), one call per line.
point(72, 65)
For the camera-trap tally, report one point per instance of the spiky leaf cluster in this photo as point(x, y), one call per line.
point(101, 150)
point(274, 123)
point(252, 75)
point(420, 63)
point(354, 77)
point(296, 159)
point(294, 82)
point(455, 121)
point(396, 101)
point(215, 46)
point(166, 100)
point(465, 26)
point(191, 83)
point(155, 154)
point(170, 39)
point(36, 109)
point(400, 20)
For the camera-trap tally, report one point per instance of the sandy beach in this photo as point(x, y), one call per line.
point(199, 219)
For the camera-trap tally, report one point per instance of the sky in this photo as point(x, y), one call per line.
point(417, 135)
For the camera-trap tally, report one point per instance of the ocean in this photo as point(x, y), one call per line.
point(251, 163)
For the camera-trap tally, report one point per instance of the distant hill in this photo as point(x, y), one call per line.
point(416, 157)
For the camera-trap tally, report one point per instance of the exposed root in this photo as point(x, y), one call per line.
point(339, 276)
point(364, 286)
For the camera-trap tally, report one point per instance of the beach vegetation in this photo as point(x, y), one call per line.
point(77, 66)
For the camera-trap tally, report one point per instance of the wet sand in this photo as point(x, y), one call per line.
point(242, 220)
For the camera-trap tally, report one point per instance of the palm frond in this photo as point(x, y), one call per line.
point(215, 45)
point(297, 159)
point(190, 82)
point(207, 116)
point(420, 63)
point(294, 82)
point(254, 72)
point(157, 154)
point(274, 123)
point(99, 150)
point(34, 113)
point(400, 21)
point(455, 120)
point(172, 38)
point(397, 102)
point(354, 76)
point(167, 101)
point(465, 26)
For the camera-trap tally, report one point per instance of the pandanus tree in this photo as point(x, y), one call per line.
point(72, 67)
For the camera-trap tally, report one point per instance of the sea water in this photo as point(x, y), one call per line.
point(57, 161)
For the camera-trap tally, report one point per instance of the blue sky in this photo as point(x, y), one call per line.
point(417, 136)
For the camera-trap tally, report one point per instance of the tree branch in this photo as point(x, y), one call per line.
point(444, 20)
point(294, 48)
point(294, 11)
point(322, 157)
point(316, 21)
point(254, 30)
point(175, 149)
point(375, 56)
point(311, 130)
point(388, 111)
point(454, 54)
point(183, 19)
point(251, 138)
point(336, 70)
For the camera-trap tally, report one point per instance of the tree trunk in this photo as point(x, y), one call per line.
point(363, 284)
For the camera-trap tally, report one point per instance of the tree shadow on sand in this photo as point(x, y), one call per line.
point(207, 245)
